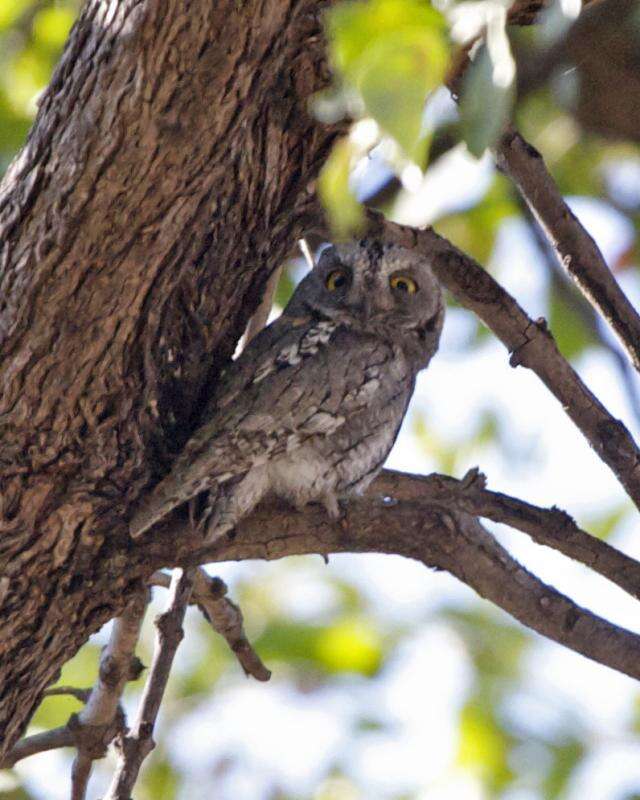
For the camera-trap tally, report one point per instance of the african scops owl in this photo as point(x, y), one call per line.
point(312, 407)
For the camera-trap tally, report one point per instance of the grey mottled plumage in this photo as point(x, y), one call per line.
point(312, 407)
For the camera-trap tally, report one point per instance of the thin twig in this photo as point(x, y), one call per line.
point(138, 742)
point(80, 694)
point(261, 314)
point(39, 743)
point(574, 247)
point(530, 343)
point(225, 617)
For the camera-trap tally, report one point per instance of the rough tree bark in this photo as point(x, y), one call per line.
point(167, 174)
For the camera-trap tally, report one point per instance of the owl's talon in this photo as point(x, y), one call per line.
point(334, 506)
point(338, 511)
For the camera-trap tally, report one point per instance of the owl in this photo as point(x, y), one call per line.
point(312, 407)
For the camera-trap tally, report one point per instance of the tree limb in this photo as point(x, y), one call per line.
point(574, 247)
point(415, 521)
point(102, 718)
point(136, 745)
point(225, 618)
point(551, 527)
point(39, 743)
point(530, 343)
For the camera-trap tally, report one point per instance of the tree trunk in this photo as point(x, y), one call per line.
point(167, 174)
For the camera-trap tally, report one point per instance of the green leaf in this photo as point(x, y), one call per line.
point(201, 676)
point(485, 108)
point(79, 672)
point(496, 647)
point(475, 229)
point(11, 11)
point(51, 26)
point(355, 26)
point(393, 53)
point(284, 290)
point(483, 746)
point(445, 454)
point(345, 213)
point(159, 780)
point(604, 525)
point(29, 74)
point(395, 77)
point(568, 326)
point(565, 758)
point(349, 644)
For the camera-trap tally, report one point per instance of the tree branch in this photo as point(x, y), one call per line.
point(95, 726)
point(530, 343)
point(39, 743)
point(136, 745)
point(574, 247)
point(583, 308)
point(102, 718)
point(416, 521)
point(225, 618)
point(551, 527)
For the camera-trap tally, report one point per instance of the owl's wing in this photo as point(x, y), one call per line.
point(299, 379)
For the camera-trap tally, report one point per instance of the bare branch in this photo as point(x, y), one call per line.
point(261, 315)
point(209, 594)
point(136, 745)
point(80, 774)
point(226, 619)
point(414, 523)
point(94, 727)
point(574, 247)
point(585, 311)
point(102, 719)
point(80, 694)
point(530, 343)
point(117, 665)
point(552, 527)
point(39, 743)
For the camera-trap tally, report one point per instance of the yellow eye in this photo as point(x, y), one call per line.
point(403, 284)
point(336, 280)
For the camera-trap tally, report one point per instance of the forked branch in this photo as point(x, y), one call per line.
point(138, 742)
point(420, 518)
point(209, 594)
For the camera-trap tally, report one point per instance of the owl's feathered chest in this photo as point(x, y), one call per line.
point(346, 460)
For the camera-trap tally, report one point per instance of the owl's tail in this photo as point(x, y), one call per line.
point(168, 495)
point(148, 514)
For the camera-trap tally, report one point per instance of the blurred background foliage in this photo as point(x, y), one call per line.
point(390, 682)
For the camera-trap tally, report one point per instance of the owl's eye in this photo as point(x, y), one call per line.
point(336, 280)
point(403, 283)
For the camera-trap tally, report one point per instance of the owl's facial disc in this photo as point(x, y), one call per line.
point(332, 289)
